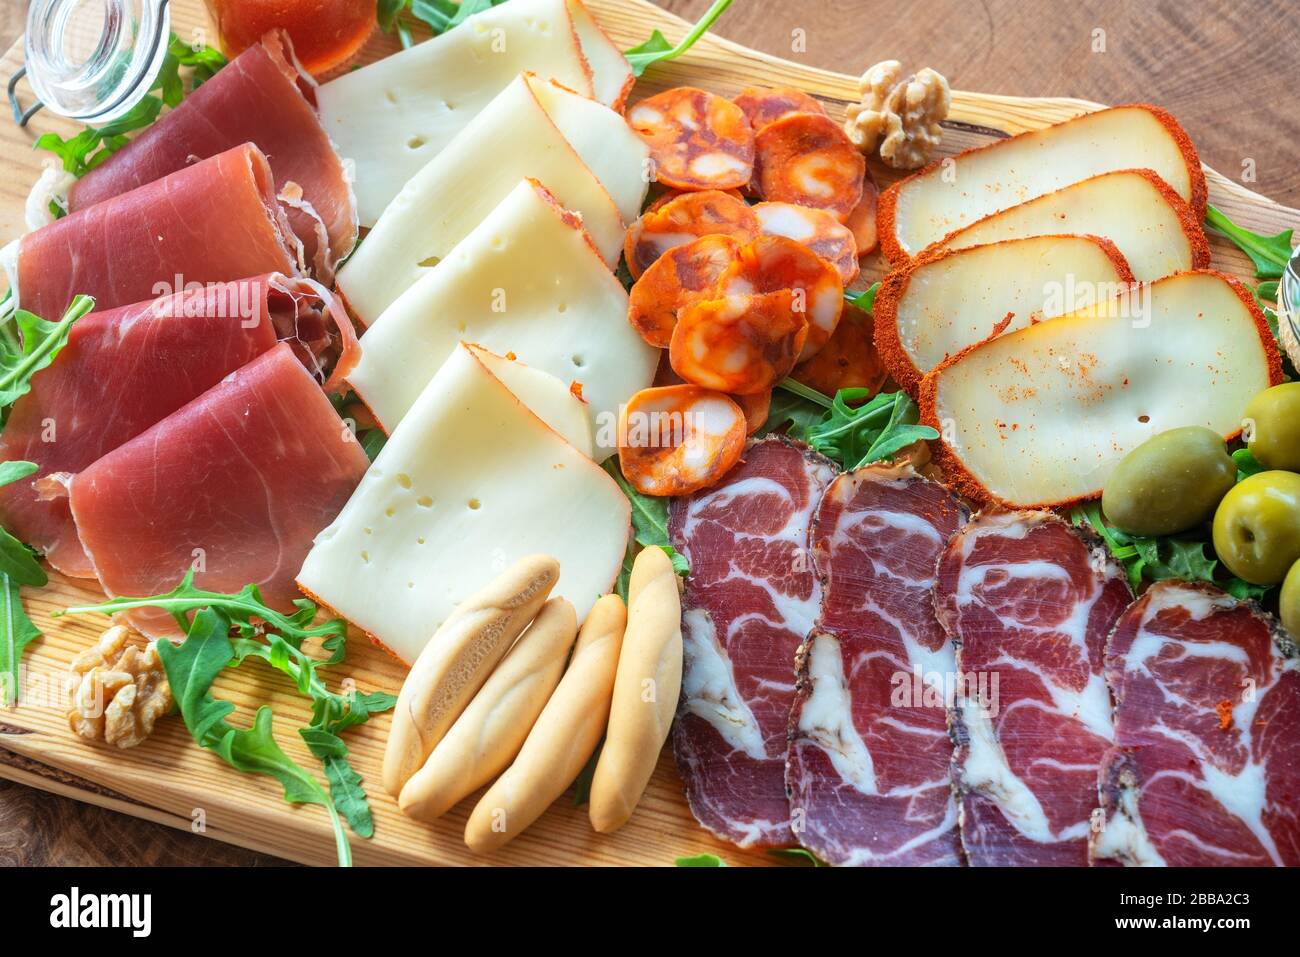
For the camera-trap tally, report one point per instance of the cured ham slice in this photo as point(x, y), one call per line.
point(1028, 604)
point(750, 599)
point(124, 369)
point(233, 485)
point(211, 222)
point(261, 97)
point(868, 771)
point(1206, 764)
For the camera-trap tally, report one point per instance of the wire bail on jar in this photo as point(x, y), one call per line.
point(91, 60)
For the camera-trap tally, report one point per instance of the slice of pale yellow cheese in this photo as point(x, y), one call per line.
point(471, 481)
point(1152, 227)
point(544, 395)
point(391, 117)
point(525, 281)
point(937, 307)
point(511, 139)
point(1040, 417)
point(956, 192)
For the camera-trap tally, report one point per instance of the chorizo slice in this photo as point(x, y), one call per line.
point(678, 439)
point(685, 217)
point(862, 221)
point(815, 228)
point(741, 343)
point(682, 275)
point(668, 195)
point(766, 105)
point(808, 159)
point(771, 263)
point(848, 360)
point(697, 140)
point(756, 408)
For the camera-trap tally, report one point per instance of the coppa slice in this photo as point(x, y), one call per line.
point(579, 150)
point(868, 772)
point(1206, 763)
point(937, 307)
point(1153, 229)
point(393, 116)
point(927, 206)
point(232, 486)
point(526, 281)
point(1039, 417)
point(470, 481)
point(750, 599)
point(1028, 604)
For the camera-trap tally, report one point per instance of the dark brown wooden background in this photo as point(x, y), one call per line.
point(1228, 69)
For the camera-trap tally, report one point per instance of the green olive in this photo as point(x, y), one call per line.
point(1273, 427)
point(1170, 483)
point(1291, 602)
point(1257, 527)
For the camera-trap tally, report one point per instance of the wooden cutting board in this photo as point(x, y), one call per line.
point(170, 780)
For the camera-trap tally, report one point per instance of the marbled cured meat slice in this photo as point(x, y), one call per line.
point(124, 369)
point(1028, 603)
point(750, 600)
point(1205, 771)
point(261, 97)
point(211, 222)
point(868, 771)
point(234, 485)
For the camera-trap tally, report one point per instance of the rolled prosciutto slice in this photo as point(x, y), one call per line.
point(750, 599)
point(234, 485)
point(1028, 603)
point(211, 222)
point(1205, 770)
point(868, 773)
point(124, 369)
point(261, 97)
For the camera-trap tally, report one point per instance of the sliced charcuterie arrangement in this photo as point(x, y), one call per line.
point(580, 400)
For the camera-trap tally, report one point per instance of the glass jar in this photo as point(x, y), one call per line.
point(92, 60)
point(325, 33)
point(1288, 308)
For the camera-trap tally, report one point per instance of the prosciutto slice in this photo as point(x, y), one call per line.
point(124, 369)
point(868, 772)
point(214, 221)
point(750, 599)
point(262, 97)
point(1028, 604)
point(233, 485)
point(1205, 770)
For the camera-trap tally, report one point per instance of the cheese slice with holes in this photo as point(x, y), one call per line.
point(1040, 417)
point(1153, 229)
point(391, 117)
point(544, 395)
point(925, 207)
point(937, 307)
point(471, 481)
point(525, 281)
point(513, 138)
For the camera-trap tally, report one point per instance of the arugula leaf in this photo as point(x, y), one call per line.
point(649, 528)
point(17, 561)
point(439, 15)
point(1247, 464)
point(344, 781)
point(701, 860)
point(1269, 253)
point(799, 854)
point(191, 669)
point(372, 443)
point(41, 342)
point(792, 412)
point(657, 48)
point(16, 633)
point(1267, 290)
point(864, 300)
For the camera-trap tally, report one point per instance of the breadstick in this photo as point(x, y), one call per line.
point(646, 688)
point(562, 740)
point(490, 731)
point(458, 659)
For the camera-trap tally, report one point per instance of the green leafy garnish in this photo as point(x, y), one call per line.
point(864, 300)
point(1247, 464)
point(1268, 253)
point(657, 48)
point(89, 148)
point(18, 566)
point(649, 528)
point(40, 342)
point(438, 15)
point(17, 561)
point(800, 855)
point(701, 860)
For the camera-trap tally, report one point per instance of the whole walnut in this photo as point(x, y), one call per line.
point(120, 690)
point(899, 115)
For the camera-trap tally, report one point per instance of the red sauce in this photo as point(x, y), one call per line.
point(325, 33)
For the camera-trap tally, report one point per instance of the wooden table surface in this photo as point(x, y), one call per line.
point(1227, 69)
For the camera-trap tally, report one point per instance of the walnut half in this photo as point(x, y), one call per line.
point(899, 115)
point(120, 690)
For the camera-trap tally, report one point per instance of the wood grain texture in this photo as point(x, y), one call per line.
point(170, 783)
